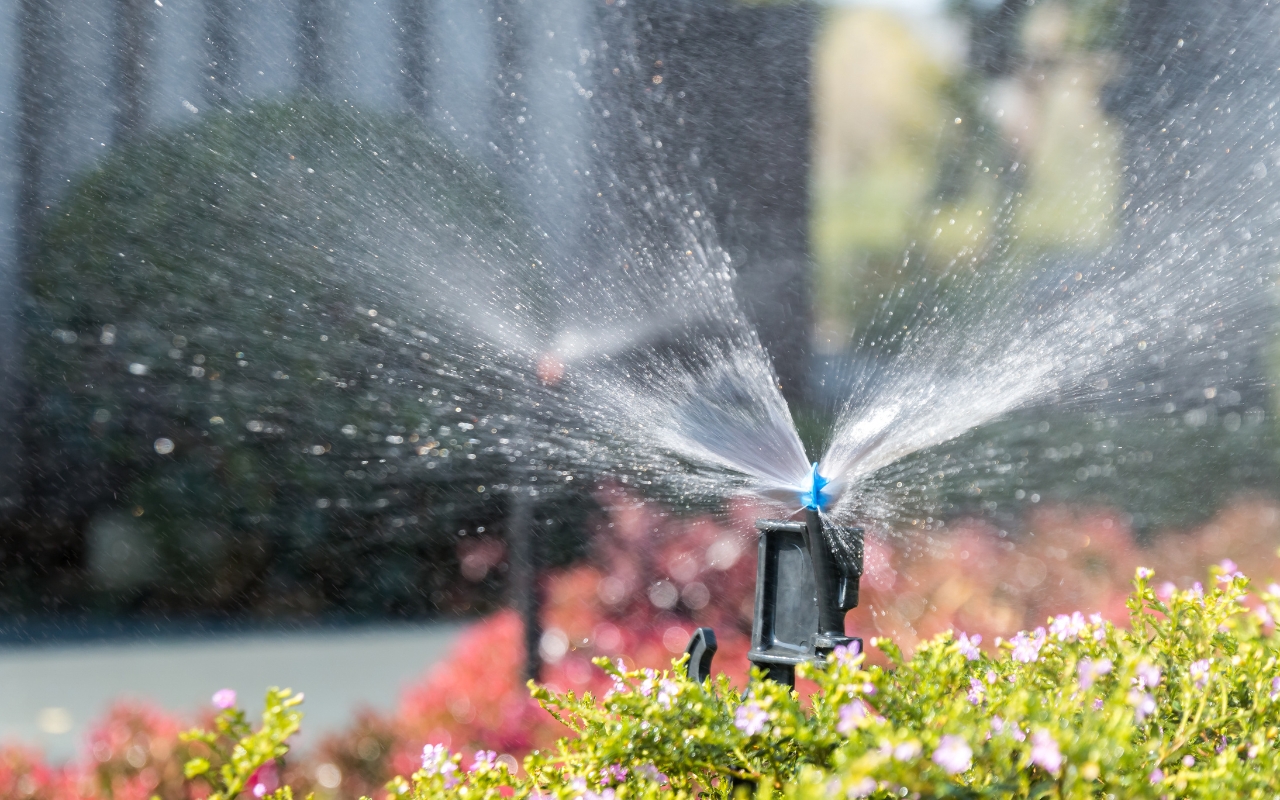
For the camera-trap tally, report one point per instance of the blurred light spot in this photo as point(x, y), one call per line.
point(53, 720)
point(612, 591)
point(163, 446)
point(553, 645)
point(696, 595)
point(724, 553)
point(675, 639)
point(137, 368)
point(663, 594)
point(329, 776)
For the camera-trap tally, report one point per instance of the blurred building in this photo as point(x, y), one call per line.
point(503, 80)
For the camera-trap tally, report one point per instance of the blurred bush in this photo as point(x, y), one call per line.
point(233, 399)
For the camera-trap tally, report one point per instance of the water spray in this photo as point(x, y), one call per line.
point(803, 590)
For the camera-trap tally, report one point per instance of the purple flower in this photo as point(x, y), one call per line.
point(224, 699)
point(845, 654)
point(953, 754)
point(1144, 705)
point(862, 787)
point(1144, 573)
point(1148, 675)
point(1275, 688)
point(751, 719)
point(1229, 571)
point(1188, 761)
point(1200, 672)
point(1100, 627)
point(851, 717)
point(968, 646)
point(1045, 752)
point(1197, 590)
point(1066, 628)
point(1097, 704)
point(976, 691)
point(1090, 670)
point(614, 773)
point(1156, 775)
point(667, 690)
point(1027, 648)
point(907, 751)
point(485, 759)
point(434, 757)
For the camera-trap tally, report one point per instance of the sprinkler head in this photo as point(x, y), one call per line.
point(815, 496)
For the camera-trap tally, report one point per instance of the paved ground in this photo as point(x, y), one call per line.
point(50, 692)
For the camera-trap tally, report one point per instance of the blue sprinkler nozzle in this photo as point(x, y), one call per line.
point(814, 498)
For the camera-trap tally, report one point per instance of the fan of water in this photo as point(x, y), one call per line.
point(640, 363)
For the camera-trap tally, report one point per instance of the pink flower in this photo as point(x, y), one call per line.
point(433, 755)
point(614, 773)
point(968, 646)
point(953, 754)
point(1099, 627)
point(265, 780)
point(1148, 675)
point(976, 691)
point(1066, 628)
point(1200, 672)
point(863, 787)
point(845, 654)
point(1045, 752)
point(1230, 571)
point(1144, 705)
point(224, 699)
point(1165, 591)
point(667, 690)
point(1027, 648)
point(1090, 670)
point(484, 761)
point(851, 717)
point(751, 719)
point(907, 751)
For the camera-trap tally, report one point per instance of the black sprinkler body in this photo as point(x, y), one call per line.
point(802, 594)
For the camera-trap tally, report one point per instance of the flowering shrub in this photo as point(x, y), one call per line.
point(1185, 702)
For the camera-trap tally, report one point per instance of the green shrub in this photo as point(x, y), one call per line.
point(1186, 702)
point(228, 358)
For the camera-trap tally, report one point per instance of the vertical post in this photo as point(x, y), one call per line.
point(220, 52)
point(827, 580)
point(132, 37)
point(411, 31)
point(526, 594)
